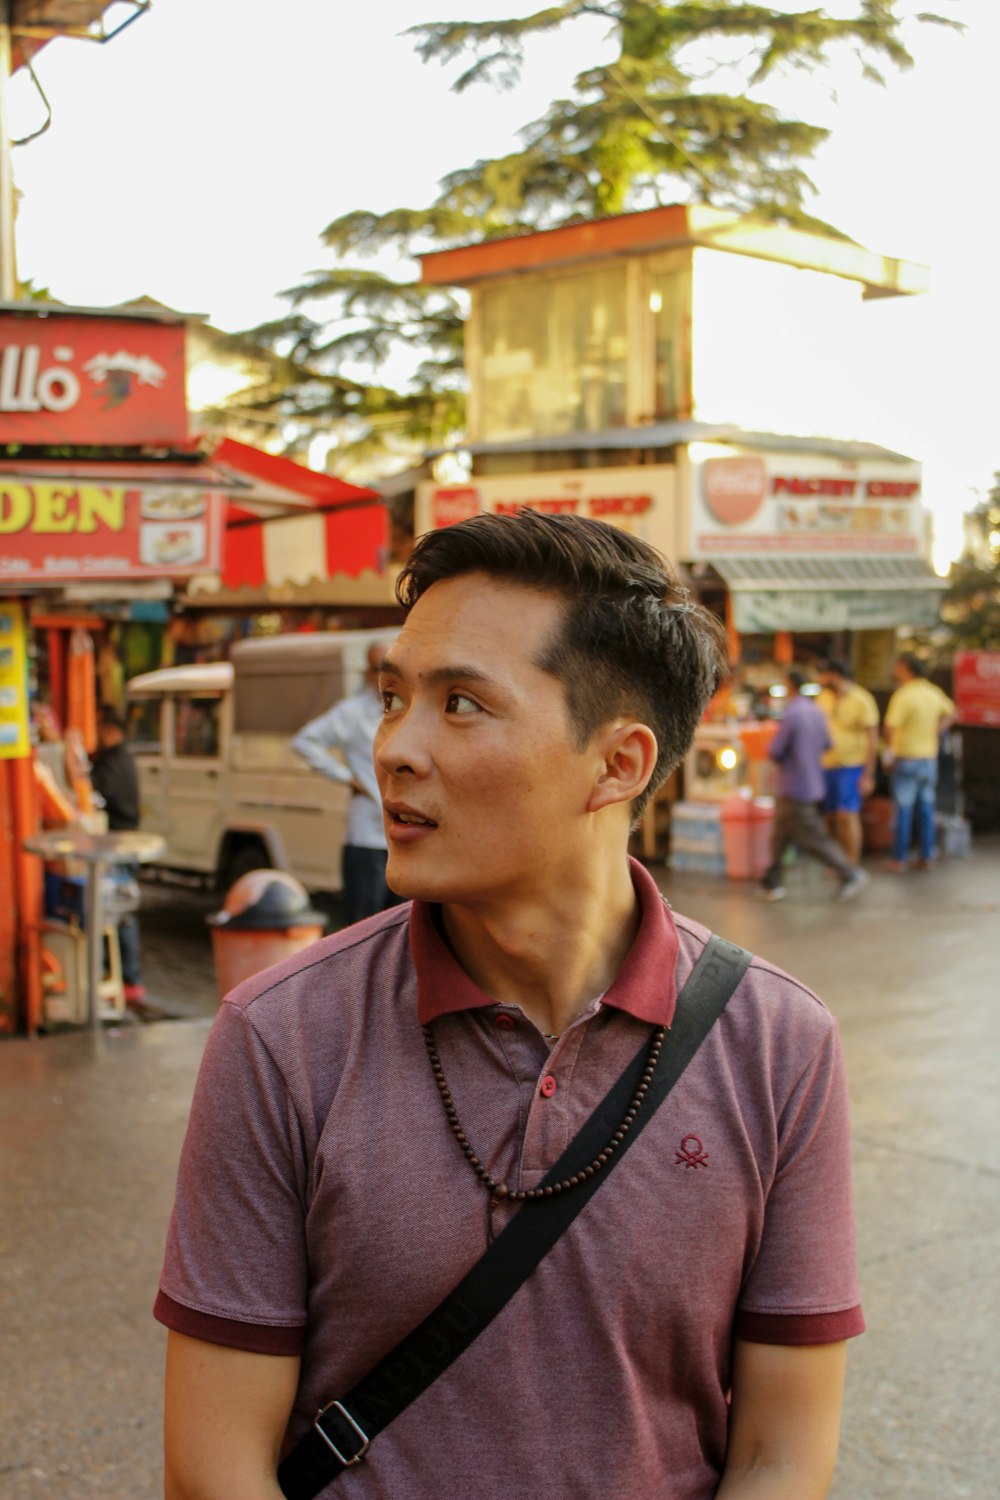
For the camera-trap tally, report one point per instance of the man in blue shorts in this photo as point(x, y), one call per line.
point(849, 766)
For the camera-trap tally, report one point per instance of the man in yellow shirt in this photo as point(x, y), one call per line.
point(917, 716)
point(849, 766)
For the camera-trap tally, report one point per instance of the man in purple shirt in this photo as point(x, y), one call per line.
point(798, 748)
point(685, 1337)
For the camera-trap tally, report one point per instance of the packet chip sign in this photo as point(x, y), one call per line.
point(61, 531)
point(82, 379)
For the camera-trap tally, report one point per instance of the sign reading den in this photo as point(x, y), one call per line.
point(101, 381)
point(62, 531)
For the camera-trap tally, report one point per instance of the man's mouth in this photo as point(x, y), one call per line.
point(411, 819)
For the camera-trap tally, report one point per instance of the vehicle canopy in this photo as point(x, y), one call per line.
point(280, 682)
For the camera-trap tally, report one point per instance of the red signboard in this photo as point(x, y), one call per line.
point(63, 531)
point(454, 504)
point(102, 381)
point(977, 687)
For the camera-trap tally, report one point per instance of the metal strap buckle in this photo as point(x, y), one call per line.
point(328, 1440)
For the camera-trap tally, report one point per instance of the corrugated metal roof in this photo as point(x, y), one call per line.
point(771, 573)
point(671, 434)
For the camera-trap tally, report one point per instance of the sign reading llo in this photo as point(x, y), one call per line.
point(72, 378)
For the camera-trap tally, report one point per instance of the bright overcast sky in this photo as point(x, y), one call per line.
point(198, 156)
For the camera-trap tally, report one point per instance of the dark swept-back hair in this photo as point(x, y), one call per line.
point(913, 664)
point(834, 666)
point(632, 643)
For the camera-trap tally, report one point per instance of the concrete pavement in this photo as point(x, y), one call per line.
point(90, 1128)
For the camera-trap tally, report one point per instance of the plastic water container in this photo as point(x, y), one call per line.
point(747, 832)
point(696, 839)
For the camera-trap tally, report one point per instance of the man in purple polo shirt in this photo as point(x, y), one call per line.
point(684, 1337)
point(802, 740)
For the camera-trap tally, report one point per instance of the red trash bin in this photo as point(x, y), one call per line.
point(747, 831)
point(266, 917)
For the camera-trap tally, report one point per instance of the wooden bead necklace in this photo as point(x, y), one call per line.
point(531, 1195)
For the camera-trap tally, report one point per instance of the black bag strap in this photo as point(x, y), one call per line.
point(343, 1430)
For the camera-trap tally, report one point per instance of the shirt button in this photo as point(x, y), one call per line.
point(549, 1086)
point(504, 1022)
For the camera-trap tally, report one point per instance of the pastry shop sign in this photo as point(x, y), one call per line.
point(82, 379)
point(63, 531)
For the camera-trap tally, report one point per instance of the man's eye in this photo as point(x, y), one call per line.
point(458, 703)
point(390, 702)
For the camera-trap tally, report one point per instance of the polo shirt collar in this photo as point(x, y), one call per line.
point(646, 985)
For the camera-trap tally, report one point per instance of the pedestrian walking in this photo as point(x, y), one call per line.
point(849, 765)
point(349, 729)
point(377, 1120)
point(115, 779)
point(798, 747)
point(917, 715)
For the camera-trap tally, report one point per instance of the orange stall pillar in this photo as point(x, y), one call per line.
point(8, 916)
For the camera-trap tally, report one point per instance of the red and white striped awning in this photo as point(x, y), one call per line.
point(291, 529)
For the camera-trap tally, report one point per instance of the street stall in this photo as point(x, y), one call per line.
point(96, 485)
point(107, 509)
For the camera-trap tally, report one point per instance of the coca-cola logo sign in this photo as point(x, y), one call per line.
point(734, 488)
point(93, 380)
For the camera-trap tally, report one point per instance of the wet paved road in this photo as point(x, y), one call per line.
point(90, 1128)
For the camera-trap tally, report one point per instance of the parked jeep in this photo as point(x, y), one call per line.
point(218, 779)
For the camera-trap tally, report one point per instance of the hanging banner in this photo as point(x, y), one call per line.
point(765, 610)
point(92, 380)
point(61, 531)
point(15, 739)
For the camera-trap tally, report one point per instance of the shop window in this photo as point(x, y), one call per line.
point(669, 299)
point(196, 726)
point(143, 725)
point(554, 355)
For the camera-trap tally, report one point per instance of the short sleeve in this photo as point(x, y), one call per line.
point(803, 1285)
point(234, 1269)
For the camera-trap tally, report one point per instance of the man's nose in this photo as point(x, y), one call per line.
point(400, 746)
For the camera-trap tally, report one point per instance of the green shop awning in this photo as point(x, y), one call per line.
point(830, 593)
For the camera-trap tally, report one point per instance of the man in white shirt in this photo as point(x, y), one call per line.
point(349, 727)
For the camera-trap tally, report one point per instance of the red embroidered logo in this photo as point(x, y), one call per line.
point(691, 1154)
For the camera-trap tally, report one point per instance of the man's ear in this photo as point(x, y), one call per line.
point(629, 752)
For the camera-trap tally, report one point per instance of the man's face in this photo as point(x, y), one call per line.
point(484, 792)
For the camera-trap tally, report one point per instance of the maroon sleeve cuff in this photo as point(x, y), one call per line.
point(799, 1328)
point(254, 1338)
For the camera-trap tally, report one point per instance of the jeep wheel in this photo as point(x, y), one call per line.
point(244, 858)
